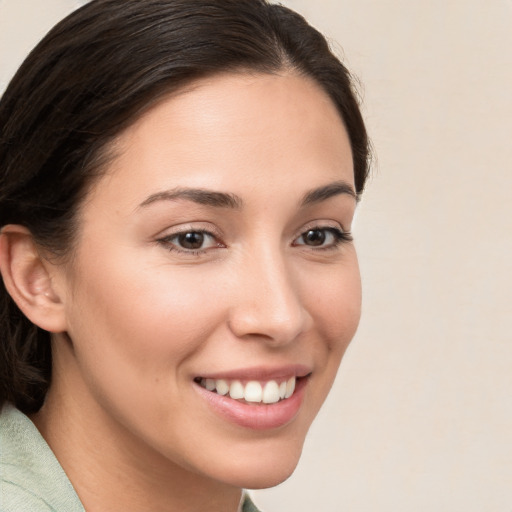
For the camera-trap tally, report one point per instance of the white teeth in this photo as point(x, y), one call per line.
point(222, 387)
point(290, 387)
point(253, 391)
point(236, 390)
point(269, 392)
point(282, 390)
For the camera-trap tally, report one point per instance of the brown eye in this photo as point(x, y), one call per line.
point(323, 238)
point(314, 237)
point(192, 240)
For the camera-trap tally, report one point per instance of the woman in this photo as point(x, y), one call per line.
point(178, 181)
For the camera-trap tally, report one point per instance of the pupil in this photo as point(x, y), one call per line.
point(314, 237)
point(192, 240)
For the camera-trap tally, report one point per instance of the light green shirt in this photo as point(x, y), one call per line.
point(31, 478)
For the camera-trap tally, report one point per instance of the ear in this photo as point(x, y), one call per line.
point(30, 279)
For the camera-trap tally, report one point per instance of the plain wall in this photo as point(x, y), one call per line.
point(420, 417)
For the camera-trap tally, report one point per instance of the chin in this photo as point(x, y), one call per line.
point(264, 479)
point(268, 468)
point(269, 480)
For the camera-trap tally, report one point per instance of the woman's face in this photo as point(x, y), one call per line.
point(215, 253)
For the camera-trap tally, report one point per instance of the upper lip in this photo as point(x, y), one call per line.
point(261, 373)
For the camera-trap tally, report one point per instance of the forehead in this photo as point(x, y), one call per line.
point(232, 130)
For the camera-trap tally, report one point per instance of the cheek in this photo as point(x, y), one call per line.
point(142, 321)
point(335, 303)
point(134, 338)
point(332, 297)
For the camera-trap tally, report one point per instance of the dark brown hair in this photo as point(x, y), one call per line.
point(89, 79)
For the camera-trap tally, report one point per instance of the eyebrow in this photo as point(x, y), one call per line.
point(197, 195)
point(320, 194)
point(228, 200)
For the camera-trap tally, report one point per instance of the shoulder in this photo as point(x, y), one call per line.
point(14, 498)
point(31, 478)
point(248, 505)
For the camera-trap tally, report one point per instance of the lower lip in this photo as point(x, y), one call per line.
point(257, 416)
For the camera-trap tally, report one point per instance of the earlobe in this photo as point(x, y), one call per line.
point(28, 279)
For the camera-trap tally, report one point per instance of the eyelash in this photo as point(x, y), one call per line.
point(340, 237)
point(167, 241)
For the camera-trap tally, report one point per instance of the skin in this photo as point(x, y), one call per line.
point(143, 316)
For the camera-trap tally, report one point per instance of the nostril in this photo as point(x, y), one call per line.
point(268, 305)
point(262, 323)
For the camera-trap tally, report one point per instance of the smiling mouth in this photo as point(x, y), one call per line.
point(251, 392)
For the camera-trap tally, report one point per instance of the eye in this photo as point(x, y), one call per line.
point(192, 241)
point(323, 238)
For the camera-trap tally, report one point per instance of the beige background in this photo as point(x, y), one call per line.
point(420, 417)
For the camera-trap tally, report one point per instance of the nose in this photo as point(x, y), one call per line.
point(268, 302)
